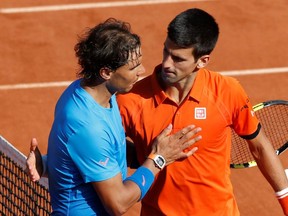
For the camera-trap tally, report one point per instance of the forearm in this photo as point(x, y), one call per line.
point(273, 171)
point(268, 162)
point(271, 167)
point(119, 195)
point(137, 185)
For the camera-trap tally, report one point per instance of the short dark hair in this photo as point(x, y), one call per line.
point(106, 45)
point(194, 28)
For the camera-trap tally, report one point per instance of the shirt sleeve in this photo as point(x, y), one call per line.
point(244, 120)
point(92, 153)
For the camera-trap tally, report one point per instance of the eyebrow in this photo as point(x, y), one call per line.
point(135, 60)
point(173, 55)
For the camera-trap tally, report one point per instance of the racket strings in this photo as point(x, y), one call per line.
point(274, 121)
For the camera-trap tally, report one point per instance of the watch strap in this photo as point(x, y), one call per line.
point(158, 160)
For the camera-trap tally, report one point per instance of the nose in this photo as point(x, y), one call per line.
point(167, 61)
point(141, 70)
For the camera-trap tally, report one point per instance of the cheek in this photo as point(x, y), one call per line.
point(126, 79)
point(182, 68)
point(186, 68)
point(131, 77)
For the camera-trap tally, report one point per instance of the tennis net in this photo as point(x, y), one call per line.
point(18, 194)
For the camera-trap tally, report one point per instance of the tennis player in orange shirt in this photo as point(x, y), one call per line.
point(182, 91)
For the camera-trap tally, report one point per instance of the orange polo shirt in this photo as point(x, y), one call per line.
point(199, 185)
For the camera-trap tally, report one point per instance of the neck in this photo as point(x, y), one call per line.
point(180, 90)
point(99, 93)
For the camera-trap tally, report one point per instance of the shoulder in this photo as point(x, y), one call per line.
point(225, 90)
point(221, 83)
point(220, 78)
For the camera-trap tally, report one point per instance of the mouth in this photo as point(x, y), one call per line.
point(133, 83)
point(167, 73)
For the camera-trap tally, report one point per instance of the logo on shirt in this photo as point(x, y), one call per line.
point(103, 163)
point(143, 180)
point(200, 112)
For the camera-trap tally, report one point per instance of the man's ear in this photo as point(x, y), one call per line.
point(203, 61)
point(105, 73)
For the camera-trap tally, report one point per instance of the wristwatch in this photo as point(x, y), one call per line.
point(159, 160)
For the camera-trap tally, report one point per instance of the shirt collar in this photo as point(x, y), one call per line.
point(195, 93)
point(159, 94)
point(198, 86)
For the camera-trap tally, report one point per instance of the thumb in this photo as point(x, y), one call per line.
point(162, 135)
point(167, 130)
point(34, 144)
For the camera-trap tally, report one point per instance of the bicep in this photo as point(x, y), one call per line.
point(260, 146)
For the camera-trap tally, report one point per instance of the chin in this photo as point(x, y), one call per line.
point(168, 80)
point(124, 91)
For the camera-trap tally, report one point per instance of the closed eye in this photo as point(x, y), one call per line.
point(177, 59)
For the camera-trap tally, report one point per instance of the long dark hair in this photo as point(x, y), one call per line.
point(106, 45)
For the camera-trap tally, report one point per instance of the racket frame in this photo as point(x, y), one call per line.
point(279, 150)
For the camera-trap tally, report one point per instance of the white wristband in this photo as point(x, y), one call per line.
point(281, 194)
point(286, 172)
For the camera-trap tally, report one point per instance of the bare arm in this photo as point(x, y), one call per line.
point(271, 167)
point(268, 162)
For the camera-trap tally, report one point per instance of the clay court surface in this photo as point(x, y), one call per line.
point(37, 62)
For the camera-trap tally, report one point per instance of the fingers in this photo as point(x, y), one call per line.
point(31, 161)
point(165, 132)
point(33, 176)
point(178, 145)
point(31, 168)
point(187, 139)
point(162, 136)
point(33, 144)
point(183, 155)
point(188, 153)
point(187, 133)
point(190, 142)
point(187, 144)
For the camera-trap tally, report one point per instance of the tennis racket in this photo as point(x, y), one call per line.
point(273, 116)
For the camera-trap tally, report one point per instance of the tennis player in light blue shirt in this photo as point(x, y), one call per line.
point(80, 152)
